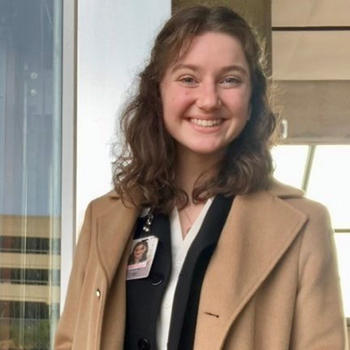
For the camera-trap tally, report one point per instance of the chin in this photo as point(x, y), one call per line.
point(205, 151)
point(209, 148)
point(202, 148)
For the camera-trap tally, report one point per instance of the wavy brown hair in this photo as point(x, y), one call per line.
point(144, 172)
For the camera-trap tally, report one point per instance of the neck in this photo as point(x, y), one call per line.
point(190, 165)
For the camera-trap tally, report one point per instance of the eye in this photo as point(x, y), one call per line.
point(230, 81)
point(188, 80)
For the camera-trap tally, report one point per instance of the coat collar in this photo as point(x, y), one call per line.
point(281, 190)
point(259, 229)
point(276, 188)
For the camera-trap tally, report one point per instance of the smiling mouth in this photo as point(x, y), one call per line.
point(206, 123)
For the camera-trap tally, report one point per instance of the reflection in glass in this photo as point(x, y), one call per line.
point(30, 128)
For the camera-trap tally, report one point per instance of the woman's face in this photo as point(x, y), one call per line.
point(206, 94)
point(139, 251)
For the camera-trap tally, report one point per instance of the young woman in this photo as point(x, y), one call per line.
point(241, 261)
point(139, 253)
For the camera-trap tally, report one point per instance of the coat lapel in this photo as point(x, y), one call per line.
point(259, 229)
point(114, 233)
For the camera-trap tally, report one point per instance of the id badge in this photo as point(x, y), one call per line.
point(141, 257)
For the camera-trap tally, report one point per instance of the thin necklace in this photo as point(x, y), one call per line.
point(188, 219)
point(188, 216)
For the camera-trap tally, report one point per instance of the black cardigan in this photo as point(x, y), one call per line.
point(144, 296)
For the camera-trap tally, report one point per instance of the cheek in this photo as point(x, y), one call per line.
point(240, 103)
point(175, 104)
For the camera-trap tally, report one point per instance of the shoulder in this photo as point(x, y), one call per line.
point(109, 202)
point(317, 232)
point(295, 198)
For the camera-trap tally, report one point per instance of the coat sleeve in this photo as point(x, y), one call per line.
point(319, 322)
point(67, 323)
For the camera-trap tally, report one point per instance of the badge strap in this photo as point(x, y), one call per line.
point(147, 226)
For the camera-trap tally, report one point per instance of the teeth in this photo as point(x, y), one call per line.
point(206, 123)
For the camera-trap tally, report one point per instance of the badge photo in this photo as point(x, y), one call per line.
point(141, 257)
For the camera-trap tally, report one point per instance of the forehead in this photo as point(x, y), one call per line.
point(211, 48)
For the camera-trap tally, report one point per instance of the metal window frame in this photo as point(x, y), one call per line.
point(68, 189)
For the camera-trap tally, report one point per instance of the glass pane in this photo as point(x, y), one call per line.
point(30, 151)
point(290, 161)
point(329, 182)
point(342, 241)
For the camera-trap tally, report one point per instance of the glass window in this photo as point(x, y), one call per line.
point(289, 163)
point(30, 170)
point(329, 182)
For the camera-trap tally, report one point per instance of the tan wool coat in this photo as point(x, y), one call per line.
point(271, 284)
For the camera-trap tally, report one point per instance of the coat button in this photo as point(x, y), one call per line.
point(156, 279)
point(143, 344)
point(98, 293)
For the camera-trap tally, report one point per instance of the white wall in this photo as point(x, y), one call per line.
point(114, 39)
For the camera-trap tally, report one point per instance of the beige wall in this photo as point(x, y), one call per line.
point(316, 110)
point(310, 12)
point(311, 69)
point(311, 55)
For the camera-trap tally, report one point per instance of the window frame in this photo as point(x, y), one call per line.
point(68, 162)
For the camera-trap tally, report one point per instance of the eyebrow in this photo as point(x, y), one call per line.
point(195, 68)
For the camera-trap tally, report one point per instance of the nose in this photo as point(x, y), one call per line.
point(208, 98)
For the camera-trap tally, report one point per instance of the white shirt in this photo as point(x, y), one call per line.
point(179, 250)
